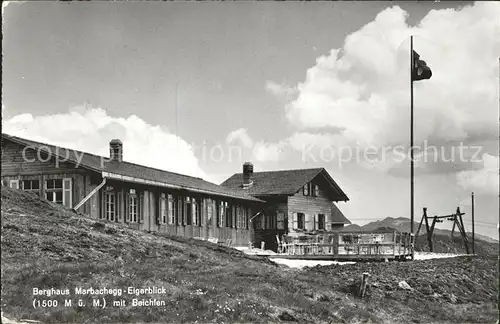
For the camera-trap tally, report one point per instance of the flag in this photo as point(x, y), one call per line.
point(420, 70)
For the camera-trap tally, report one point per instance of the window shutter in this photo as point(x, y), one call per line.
point(219, 214)
point(159, 207)
point(185, 207)
point(203, 211)
point(184, 211)
point(222, 212)
point(140, 201)
point(238, 217)
point(170, 210)
point(295, 223)
point(126, 209)
point(208, 204)
point(194, 214)
point(119, 204)
point(234, 216)
point(158, 210)
point(223, 215)
point(179, 209)
point(103, 203)
point(67, 192)
point(168, 202)
point(210, 211)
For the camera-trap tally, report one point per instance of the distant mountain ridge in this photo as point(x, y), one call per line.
point(402, 224)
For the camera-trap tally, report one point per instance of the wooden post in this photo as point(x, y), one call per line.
point(453, 228)
point(421, 221)
point(434, 221)
point(460, 224)
point(364, 282)
point(473, 241)
point(262, 245)
point(429, 236)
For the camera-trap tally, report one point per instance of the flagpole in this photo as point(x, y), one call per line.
point(473, 229)
point(412, 184)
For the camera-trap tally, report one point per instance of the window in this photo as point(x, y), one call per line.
point(210, 206)
point(280, 217)
point(247, 213)
point(163, 209)
point(133, 206)
point(306, 189)
point(316, 191)
point(229, 215)
point(272, 221)
point(188, 214)
point(171, 210)
point(196, 212)
point(258, 222)
point(300, 222)
point(31, 186)
point(239, 219)
point(54, 190)
point(14, 184)
point(321, 221)
point(216, 211)
point(222, 215)
point(110, 204)
point(179, 209)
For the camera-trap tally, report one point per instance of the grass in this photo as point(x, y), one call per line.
point(46, 246)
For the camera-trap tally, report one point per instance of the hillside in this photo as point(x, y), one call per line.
point(45, 246)
point(441, 238)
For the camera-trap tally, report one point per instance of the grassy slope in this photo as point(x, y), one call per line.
point(445, 244)
point(46, 246)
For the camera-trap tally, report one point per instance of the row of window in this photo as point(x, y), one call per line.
point(55, 190)
point(299, 221)
point(175, 210)
point(310, 189)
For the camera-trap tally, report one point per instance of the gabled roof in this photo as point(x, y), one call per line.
point(131, 170)
point(285, 182)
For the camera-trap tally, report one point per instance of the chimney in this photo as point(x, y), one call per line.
point(247, 174)
point(116, 150)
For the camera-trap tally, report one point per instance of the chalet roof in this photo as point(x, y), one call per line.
point(284, 182)
point(101, 164)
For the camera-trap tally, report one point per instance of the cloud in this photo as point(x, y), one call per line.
point(363, 87)
point(483, 181)
point(280, 89)
point(91, 130)
point(269, 152)
point(239, 136)
point(261, 151)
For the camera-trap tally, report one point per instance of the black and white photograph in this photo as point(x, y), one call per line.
point(250, 162)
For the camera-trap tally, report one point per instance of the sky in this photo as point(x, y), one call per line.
point(200, 88)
